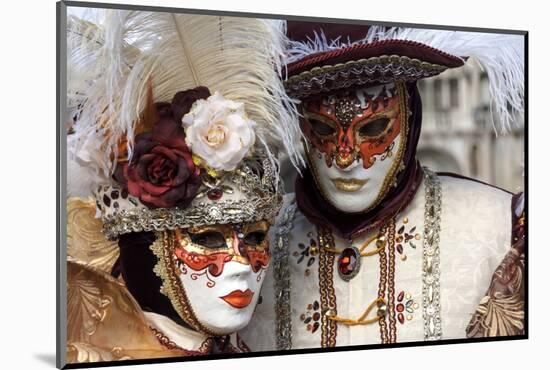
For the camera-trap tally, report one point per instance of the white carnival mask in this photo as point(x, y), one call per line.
point(356, 141)
point(213, 274)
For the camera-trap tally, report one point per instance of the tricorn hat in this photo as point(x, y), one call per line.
point(323, 57)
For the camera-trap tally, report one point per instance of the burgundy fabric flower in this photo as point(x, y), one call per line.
point(161, 172)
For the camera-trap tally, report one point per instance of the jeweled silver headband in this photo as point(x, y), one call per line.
point(253, 193)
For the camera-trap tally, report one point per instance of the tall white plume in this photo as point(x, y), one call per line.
point(239, 57)
point(84, 43)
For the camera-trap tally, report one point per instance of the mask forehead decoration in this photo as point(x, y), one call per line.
point(354, 125)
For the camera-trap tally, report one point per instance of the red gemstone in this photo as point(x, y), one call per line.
point(214, 194)
point(400, 307)
point(401, 318)
point(347, 261)
point(400, 296)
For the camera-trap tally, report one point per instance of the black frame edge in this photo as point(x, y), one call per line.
point(61, 187)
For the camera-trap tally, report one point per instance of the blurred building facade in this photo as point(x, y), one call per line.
point(457, 131)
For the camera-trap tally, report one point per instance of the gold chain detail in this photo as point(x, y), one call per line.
point(391, 281)
point(382, 291)
point(388, 328)
point(204, 348)
point(326, 288)
point(164, 340)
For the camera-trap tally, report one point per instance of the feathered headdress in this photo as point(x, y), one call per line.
point(186, 113)
point(319, 63)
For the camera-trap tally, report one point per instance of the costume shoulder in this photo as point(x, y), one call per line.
point(501, 311)
point(104, 322)
point(475, 219)
point(479, 198)
point(494, 219)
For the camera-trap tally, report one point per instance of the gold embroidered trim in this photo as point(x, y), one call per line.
point(383, 59)
point(204, 348)
point(326, 288)
point(386, 287)
point(382, 283)
point(384, 68)
point(164, 340)
point(391, 282)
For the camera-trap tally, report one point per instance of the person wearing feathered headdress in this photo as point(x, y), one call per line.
point(379, 248)
point(177, 121)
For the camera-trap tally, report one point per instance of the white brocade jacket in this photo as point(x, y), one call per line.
point(435, 268)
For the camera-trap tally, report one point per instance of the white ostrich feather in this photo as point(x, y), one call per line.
point(239, 57)
point(84, 42)
point(89, 71)
point(84, 39)
point(501, 56)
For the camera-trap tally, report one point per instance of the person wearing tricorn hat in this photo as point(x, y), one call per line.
point(373, 247)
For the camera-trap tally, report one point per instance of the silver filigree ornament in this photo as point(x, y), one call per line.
point(281, 274)
point(431, 300)
point(260, 198)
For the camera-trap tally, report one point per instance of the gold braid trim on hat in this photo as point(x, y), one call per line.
point(382, 69)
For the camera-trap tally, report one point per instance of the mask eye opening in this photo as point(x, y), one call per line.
point(254, 238)
point(372, 130)
point(209, 239)
point(321, 128)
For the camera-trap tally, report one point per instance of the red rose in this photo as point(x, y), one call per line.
point(161, 172)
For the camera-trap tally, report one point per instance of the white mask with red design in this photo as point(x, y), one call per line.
point(355, 144)
point(222, 268)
